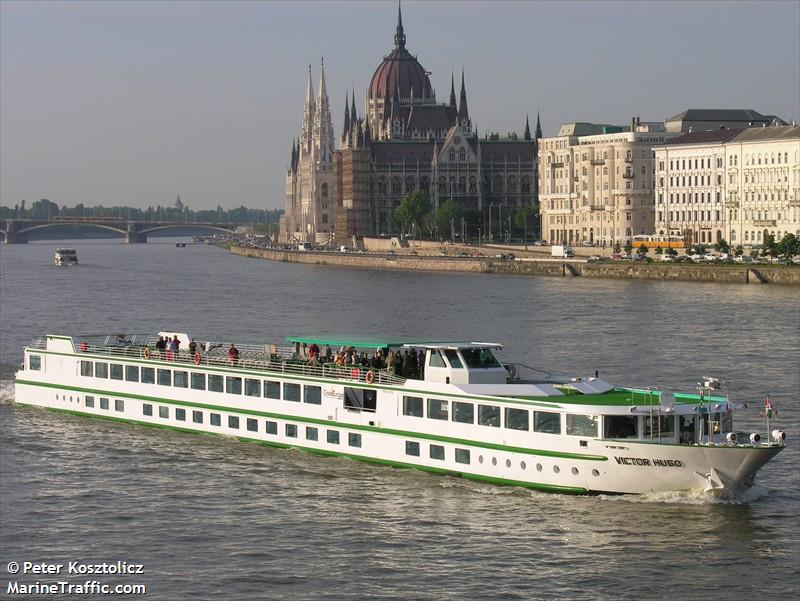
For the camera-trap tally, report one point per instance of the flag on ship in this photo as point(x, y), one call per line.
point(769, 408)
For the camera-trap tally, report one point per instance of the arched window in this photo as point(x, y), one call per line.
point(497, 184)
point(324, 190)
point(411, 184)
point(396, 185)
point(462, 184)
point(382, 185)
point(424, 185)
point(452, 184)
point(442, 185)
point(526, 184)
point(462, 155)
point(512, 184)
point(452, 154)
point(473, 185)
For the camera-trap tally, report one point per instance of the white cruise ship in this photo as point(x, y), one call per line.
point(458, 411)
point(65, 256)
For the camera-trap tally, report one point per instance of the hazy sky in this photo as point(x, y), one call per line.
point(132, 103)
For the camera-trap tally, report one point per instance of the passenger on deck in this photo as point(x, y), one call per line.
point(390, 362)
point(192, 347)
point(313, 353)
point(233, 354)
point(161, 345)
point(375, 362)
point(398, 363)
point(327, 353)
point(339, 360)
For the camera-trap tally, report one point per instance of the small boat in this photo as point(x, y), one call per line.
point(66, 256)
point(445, 407)
point(180, 245)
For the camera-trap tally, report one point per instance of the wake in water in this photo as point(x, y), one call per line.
point(6, 392)
point(695, 497)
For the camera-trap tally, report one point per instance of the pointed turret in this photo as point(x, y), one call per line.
point(353, 115)
point(346, 127)
point(310, 90)
point(323, 92)
point(367, 132)
point(538, 127)
point(294, 152)
point(527, 130)
point(452, 91)
point(399, 36)
point(463, 113)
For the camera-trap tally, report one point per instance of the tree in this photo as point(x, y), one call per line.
point(738, 251)
point(522, 218)
point(643, 250)
point(789, 246)
point(722, 246)
point(617, 248)
point(658, 250)
point(672, 252)
point(447, 216)
point(412, 209)
point(770, 247)
point(628, 248)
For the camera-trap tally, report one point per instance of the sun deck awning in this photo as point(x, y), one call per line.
point(512, 390)
point(374, 342)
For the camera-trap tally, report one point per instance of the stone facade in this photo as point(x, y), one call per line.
point(597, 188)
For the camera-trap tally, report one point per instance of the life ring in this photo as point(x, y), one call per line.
point(370, 377)
point(197, 358)
point(84, 347)
point(146, 353)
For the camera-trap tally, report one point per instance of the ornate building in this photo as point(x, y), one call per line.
point(309, 179)
point(406, 141)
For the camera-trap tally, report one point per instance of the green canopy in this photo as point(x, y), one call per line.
point(362, 341)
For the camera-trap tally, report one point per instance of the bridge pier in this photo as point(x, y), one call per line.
point(12, 235)
point(134, 234)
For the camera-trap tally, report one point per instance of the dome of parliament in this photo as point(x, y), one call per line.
point(400, 69)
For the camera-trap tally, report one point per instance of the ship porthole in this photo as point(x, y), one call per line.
point(480, 458)
point(556, 469)
point(508, 463)
point(522, 465)
point(575, 471)
point(494, 460)
point(538, 467)
point(595, 473)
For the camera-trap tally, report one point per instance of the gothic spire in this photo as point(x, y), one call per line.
point(452, 91)
point(346, 127)
point(310, 90)
point(538, 126)
point(367, 133)
point(527, 130)
point(353, 116)
point(323, 93)
point(463, 113)
point(399, 36)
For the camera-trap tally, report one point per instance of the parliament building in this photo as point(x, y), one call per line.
point(403, 141)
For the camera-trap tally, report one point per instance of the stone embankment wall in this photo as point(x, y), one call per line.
point(761, 274)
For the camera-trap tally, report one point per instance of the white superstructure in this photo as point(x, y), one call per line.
point(459, 411)
point(66, 256)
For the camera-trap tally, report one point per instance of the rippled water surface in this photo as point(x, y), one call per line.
point(213, 518)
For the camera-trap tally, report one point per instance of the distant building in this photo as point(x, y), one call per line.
point(406, 141)
point(596, 182)
point(738, 185)
point(693, 120)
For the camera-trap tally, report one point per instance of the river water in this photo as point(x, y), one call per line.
point(211, 518)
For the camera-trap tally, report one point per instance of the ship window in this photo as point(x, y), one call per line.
point(198, 381)
point(291, 392)
point(233, 422)
point(620, 426)
point(354, 439)
point(180, 415)
point(180, 379)
point(462, 456)
point(582, 425)
point(453, 358)
point(291, 430)
point(119, 405)
point(116, 371)
point(413, 406)
point(437, 409)
point(272, 389)
point(163, 411)
point(215, 383)
point(312, 433)
point(233, 385)
point(100, 370)
point(312, 394)
point(437, 452)
point(463, 412)
point(412, 448)
point(214, 419)
point(252, 424)
point(516, 419)
point(164, 377)
point(147, 409)
point(333, 436)
point(252, 387)
point(489, 415)
point(103, 403)
point(272, 427)
point(89, 400)
point(132, 373)
point(35, 362)
point(87, 368)
point(546, 422)
point(148, 375)
point(197, 417)
point(662, 426)
point(360, 399)
point(479, 358)
point(436, 359)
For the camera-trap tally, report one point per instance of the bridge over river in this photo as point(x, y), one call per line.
point(16, 231)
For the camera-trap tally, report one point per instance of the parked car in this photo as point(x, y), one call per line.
point(594, 259)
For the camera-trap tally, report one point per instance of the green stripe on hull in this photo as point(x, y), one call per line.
point(324, 422)
point(554, 488)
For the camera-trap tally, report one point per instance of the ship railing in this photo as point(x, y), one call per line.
point(39, 342)
point(280, 361)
